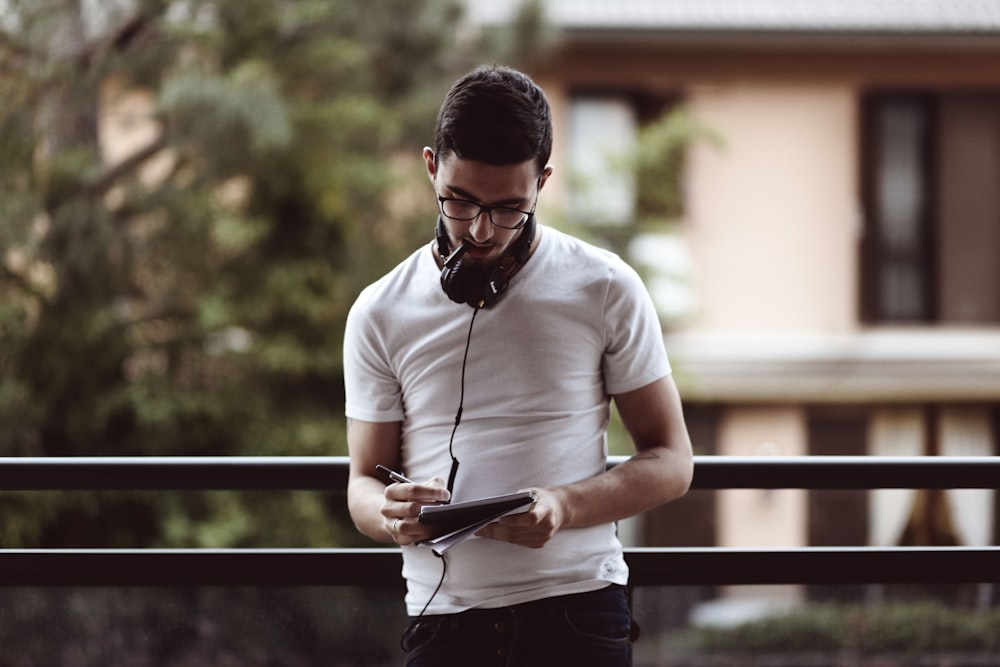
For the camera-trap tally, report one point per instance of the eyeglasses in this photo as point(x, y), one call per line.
point(501, 216)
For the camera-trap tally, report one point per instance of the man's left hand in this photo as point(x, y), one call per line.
point(529, 529)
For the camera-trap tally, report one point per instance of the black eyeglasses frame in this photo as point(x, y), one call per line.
point(489, 210)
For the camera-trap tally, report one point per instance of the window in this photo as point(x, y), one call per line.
point(932, 208)
point(625, 151)
point(601, 131)
point(603, 127)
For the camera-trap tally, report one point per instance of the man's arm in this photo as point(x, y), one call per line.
point(660, 471)
point(384, 513)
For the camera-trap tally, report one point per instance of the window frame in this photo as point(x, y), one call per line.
point(873, 251)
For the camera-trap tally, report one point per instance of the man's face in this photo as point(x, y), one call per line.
point(512, 186)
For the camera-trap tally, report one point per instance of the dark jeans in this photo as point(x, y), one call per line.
point(579, 630)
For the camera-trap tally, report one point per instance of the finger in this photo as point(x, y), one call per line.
point(489, 532)
point(392, 509)
point(417, 493)
point(522, 520)
point(392, 526)
point(521, 537)
point(496, 531)
point(401, 529)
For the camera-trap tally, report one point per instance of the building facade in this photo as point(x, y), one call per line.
point(840, 241)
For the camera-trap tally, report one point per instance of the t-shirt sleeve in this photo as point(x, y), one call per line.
point(371, 387)
point(634, 354)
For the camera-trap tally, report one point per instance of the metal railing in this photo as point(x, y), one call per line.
point(380, 567)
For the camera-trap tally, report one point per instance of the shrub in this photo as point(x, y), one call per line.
point(922, 628)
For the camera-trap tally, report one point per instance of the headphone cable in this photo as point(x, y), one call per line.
point(461, 402)
point(451, 453)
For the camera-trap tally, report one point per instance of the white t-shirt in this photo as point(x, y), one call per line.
point(575, 327)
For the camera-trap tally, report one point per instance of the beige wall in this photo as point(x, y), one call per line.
point(762, 518)
point(772, 212)
point(755, 518)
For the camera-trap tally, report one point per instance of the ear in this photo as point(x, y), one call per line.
point(429, 162)
point(545, 176)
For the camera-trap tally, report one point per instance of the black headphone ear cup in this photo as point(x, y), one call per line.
point(441, 238)
point(522, 247)
point(450, 282)
point(493, 287)
point(472, 285)
point(477, 288)
point(450, 278)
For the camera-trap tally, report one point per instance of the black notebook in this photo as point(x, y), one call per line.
point(455, 522)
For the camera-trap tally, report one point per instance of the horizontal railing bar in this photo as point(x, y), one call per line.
point(814, 565)
point(182, 473)
point(380, 568)
point(329, 473)
point(847, 472)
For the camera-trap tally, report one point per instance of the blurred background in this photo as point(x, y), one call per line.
point(193, 192)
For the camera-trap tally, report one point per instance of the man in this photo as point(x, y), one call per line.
point(489, 359)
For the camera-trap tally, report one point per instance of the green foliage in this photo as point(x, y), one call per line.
point(658, 160)
point(192, 195)
point(655, 163)
point(297, 627)
point(820, 630)
point(893, 629)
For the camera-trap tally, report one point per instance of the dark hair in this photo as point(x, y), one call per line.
point(495, 115)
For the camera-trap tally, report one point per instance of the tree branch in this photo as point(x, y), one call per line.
point(102, 183)
point(19, 282)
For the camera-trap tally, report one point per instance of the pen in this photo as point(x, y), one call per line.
point(393, 475)
point(398, 477)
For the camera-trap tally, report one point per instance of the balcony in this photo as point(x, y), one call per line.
point(342, 585)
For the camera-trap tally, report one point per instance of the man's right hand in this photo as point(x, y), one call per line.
point(401, 507)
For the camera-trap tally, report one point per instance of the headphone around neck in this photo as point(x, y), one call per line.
point(478, 287)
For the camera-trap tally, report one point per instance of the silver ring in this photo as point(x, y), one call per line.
point(395, 526)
